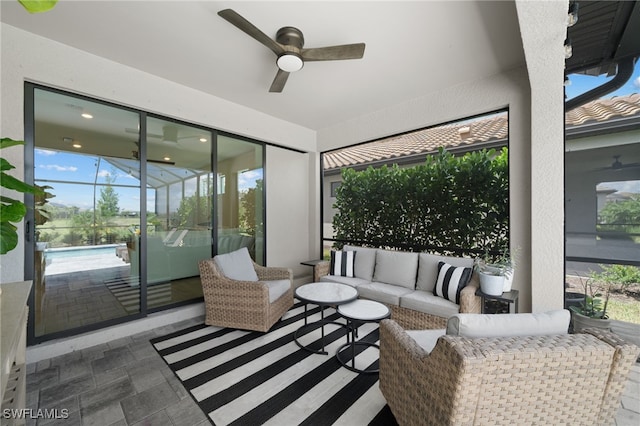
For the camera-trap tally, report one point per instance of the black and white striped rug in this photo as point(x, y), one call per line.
point(127, 291)
point(252, 378)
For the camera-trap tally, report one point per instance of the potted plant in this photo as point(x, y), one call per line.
point(591, 312)
point(495, 272)
point(12, 210)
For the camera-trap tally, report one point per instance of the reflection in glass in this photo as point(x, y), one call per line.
point(87, 215)
point(240, 197)
point(179, 219)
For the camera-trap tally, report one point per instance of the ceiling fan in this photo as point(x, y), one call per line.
point(288, 47)
point(618, 165)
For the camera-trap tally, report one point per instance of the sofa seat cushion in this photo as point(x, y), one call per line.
point(382, 292)
point(537, 324)
point(426, 339)
point(428, 268)
point(364, 263)
point(428, 303)
point(396, 267)
point(352, 281)
point(277, 288)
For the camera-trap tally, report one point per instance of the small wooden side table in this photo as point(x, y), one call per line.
point(509, 297)
point(313, 262)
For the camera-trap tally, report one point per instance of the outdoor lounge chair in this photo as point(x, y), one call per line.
point(543, 379)
point(254, 302)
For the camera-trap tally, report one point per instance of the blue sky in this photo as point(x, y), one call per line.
point(73, 167)
point(582, 83)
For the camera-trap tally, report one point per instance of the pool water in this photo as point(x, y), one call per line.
point(62, 253)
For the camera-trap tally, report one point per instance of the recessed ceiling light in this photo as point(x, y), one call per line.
point(87, 115)
point(167, 158)
point(77, 145)
point(203, 139)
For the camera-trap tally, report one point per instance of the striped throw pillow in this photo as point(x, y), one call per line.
point(451, 280)
point(342, 263)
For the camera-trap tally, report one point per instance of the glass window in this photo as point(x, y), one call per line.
point(240, 197)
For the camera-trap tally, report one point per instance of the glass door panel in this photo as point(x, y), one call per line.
point(179, 211)
point(240, 196)
point(86, 219)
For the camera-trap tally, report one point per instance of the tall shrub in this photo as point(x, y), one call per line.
point(448, 204)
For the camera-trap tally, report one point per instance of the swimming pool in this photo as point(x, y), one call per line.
point(80, 251)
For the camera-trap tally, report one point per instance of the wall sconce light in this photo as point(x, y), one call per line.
point(568, 50)
point(572, 18)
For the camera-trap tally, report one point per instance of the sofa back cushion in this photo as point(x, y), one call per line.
point(428, 268)
point(509, 325)
point(364, 263)
point(396, 267)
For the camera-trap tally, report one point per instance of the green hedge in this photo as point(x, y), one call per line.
point(449, 204)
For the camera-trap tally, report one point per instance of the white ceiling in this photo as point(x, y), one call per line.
point(412, 48)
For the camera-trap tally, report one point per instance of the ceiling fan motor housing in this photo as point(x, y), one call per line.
point(290, 36)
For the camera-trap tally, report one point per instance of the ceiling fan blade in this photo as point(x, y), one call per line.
point(279, 81)
point(334, 53)
point(236, 19)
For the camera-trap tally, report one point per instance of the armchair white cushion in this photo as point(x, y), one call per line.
point(237, 265)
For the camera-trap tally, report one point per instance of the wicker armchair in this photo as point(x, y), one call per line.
point(243, 304)
point(552, 379)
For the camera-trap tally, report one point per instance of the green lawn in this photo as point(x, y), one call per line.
point(628, 311)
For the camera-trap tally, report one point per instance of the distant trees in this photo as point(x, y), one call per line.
point(109, 198)
point(622, 213)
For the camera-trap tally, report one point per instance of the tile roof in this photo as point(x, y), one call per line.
point(604, 109)
point(458, 135)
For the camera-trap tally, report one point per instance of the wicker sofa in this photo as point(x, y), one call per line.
point(404, 281)
point(252, 303)
point(535, 379)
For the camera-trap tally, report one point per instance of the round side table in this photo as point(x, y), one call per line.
point(358, 312)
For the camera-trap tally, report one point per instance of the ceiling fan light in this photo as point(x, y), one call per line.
point(290, 62)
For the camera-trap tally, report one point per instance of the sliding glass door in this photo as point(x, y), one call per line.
point(85, 219)
point(131, 203)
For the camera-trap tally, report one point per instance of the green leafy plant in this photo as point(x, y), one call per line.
point(11, 210)
point(496, 264)
point(447, 203)
point(597, 289)
point(37, 6)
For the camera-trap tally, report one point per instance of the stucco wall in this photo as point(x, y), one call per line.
point(506, 90)
point(29, 57)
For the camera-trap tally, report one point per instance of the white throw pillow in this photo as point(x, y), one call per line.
point(509, 325)
point(237, 265)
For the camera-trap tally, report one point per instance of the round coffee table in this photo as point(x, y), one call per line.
point(357, 312)
point(322, 294)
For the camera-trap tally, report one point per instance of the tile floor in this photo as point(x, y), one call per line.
point(121, 382)
point(125, 382)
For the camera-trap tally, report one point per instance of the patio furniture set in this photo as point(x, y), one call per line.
point(441, 360)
